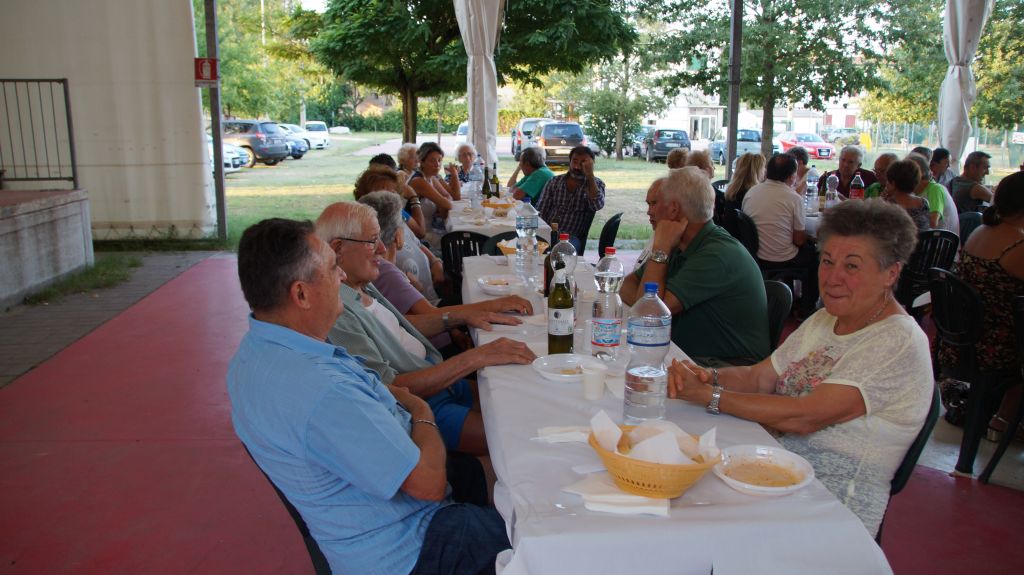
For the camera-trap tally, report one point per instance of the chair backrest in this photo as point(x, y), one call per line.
point(320, 564)
point(719, 186)
point(906, 468)
point(968, 222)
point(746, 233)
point(780, 302)
point(608, 233)
point(458, 245)
point(583, 241)
point(935, 249)
point(491, 245)
point(958, 314)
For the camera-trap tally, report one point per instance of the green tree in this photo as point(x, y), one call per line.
point(609, 115)
point(999, 67)
point(413, 48)
point(794, 51)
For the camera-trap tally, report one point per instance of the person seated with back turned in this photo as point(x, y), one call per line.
point(571, 199)
point(943, 209)
point(967, 189)
point(396, 346)
point(362, 462)
point(705, 276)
point(850, 159)
point(677, 158)
point(850, 389)
point(778, 213)
point(701, 159)
point(901, 179)
point(535, 175)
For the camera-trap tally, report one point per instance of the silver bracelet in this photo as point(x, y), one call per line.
point(428, 422)
point(444, 321)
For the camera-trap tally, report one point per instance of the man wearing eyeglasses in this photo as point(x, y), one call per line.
point(396, 346)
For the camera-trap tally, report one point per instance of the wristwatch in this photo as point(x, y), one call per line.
point(444, 321)
point(716, 394)
point(658, 256)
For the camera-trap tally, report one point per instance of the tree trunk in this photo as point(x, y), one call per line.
point(768, 117)
point(409, 114)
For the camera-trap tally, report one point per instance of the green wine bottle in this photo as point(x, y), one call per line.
point(561, 313)
point(485, 191)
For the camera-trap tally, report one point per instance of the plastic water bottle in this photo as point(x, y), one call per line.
point(811, 199)
point(832, 193)
point(857, 187)
point(607, 311)
point(476, 173)
point(527, 220)
point(649, 333)
point(564, 253)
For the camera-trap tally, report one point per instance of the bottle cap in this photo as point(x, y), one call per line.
point(527, 200)
point(651, 287)
point(609, 251)
point(563, 237)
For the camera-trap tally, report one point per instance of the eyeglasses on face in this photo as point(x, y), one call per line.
point(372, 242)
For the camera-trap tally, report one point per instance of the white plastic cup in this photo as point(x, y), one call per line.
point(581, 337)
point(593, 380)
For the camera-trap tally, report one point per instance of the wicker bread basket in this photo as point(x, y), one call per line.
point(660, 480)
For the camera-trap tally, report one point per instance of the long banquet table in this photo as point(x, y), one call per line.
point(460, 220)
point(709, 528)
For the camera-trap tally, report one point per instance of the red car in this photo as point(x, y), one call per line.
point(816, 147)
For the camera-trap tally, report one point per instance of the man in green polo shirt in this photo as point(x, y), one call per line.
point(535, 175)
point(708, 280)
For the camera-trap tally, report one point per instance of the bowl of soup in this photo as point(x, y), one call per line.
point(763, 470)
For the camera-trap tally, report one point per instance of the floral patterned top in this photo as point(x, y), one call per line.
point(890, 363)
point(997, 288)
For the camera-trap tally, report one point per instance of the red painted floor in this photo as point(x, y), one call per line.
point(117, 456)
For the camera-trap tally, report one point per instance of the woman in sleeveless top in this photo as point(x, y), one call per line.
point(993, 262)
point(902, 178)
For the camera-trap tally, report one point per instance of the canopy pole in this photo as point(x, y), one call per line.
point(735, 52)
point(218, 146)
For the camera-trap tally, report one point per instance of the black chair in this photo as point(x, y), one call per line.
point(719, 186)
point(454, 247)
point(491, 245)
point(320, 565)
point(906, 468)
point(746, 233)
point(780, 302)
point(935, 249)
point(1014, 423)
point(959, 316)
point(608, 233)
point(968, 222)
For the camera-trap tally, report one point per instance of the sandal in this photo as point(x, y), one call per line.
point(995, 432)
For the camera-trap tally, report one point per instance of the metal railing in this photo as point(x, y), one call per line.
point(37, 142)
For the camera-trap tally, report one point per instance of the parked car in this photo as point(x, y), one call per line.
point(297, 145)
point(462, 132)
point(233, 156)
point(660, 142)
point(816, 147)
point(845, 135)
point(319, 139)
point(747, 141)
point(637, 146)
point(558, 139)
point(262, 139)
point(339, 130)
point(590, 143)
point(299, 131)
point(522, 134)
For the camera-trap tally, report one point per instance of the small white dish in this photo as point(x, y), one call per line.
point(561, 367)
point(501, 284)
point(776, 457)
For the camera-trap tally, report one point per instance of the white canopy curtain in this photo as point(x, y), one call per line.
point(965, 19)
point(479, 21)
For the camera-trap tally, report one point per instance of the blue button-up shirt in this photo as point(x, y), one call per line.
point(335, 442)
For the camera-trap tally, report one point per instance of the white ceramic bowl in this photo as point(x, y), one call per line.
point(739, 454)
point(552, 367)
point(500, 284)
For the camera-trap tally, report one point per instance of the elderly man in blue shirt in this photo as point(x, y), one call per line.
point(362, 462)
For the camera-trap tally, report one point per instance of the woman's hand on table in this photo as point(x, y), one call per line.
point(509, 303)
point(503, 351)
point(485, 319)
point(688, 382)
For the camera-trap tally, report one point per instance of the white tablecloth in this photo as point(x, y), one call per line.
point(461, 220)
point(709, 526)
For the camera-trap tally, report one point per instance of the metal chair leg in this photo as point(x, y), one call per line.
point(1004, 442)
point(974, 426)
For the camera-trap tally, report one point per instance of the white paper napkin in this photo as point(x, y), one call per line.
point(660, 448)
point(606, 431)
point(600, 493)
point(564, 434)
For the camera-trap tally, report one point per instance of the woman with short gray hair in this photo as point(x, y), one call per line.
point(465, 153)
point(850, 389)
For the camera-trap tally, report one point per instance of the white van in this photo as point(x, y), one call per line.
point(317, 134)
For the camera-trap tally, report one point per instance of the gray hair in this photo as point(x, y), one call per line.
point(690, 188)
point(407, 153)
point(888, 226)
point(344, 220)
point(463, 146)
point(855, 149)
point(388, 206)
point(922, 164)
point(534, 156)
